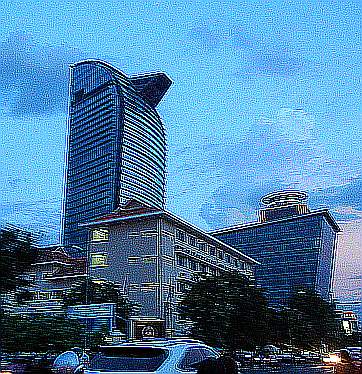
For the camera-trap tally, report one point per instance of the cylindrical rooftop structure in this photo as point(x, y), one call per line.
point(284, 198)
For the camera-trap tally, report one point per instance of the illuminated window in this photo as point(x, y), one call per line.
point(100, 235)
point(98, 260)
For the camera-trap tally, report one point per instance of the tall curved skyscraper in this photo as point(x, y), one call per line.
point(116, 144)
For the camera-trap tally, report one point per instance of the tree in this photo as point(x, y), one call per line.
point(91, 292)
point(310, 321)
point(37, 333)
point(17, 253)
point(227, 311)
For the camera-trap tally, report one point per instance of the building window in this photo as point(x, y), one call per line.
point(212, 251)
point(220, 255)
point(100, 235)
point(58, 294)
point(149, 259)
point(98, 260)
point(180, 235)
point(192, 241)
point(227, 258)
point(181, 287)
point(203, 268)
point(181, 261)
point(193, 265)
point(202, 246)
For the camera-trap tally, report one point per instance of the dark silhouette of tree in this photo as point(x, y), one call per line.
point(310, 321)
point(37, 333)
point(91, 292)
point(17, 253)
point(228, 311)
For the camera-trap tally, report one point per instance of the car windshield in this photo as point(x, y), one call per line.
point(129, 359)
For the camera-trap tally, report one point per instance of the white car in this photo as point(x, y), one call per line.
point(168, 356)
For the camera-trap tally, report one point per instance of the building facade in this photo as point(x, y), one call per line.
point(155, 256)
point(55, 271)
point(294, 245)
point(116, 144)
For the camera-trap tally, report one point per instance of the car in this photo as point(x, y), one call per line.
point(350, 362)
point(73, 362)
point(332, 358)
point(16, 364)
point(168, 356)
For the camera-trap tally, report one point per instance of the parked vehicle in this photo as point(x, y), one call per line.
point(16, 364)
point(168, 356)
point(350, 362)
point(71, 362)
point(26, 363)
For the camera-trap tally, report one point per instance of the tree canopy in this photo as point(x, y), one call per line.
point(310, 321)
point(227, 311)
point(17, 253)
point(95, 292)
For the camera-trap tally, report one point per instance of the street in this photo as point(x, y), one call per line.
point(318, 369)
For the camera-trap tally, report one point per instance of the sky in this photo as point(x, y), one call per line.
point(266, 96)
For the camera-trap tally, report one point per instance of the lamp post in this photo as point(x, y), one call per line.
point(87, 269)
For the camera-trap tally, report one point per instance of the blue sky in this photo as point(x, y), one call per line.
point(266, 96)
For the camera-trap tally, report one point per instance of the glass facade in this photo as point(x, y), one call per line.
point(116, 144)
point(296, 252)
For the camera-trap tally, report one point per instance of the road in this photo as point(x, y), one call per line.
point(289, 370)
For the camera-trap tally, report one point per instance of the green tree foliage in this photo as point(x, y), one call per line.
point(310, 321)
point(228, 311)
point(16, 255)
point(91, 292)
point(37, 333)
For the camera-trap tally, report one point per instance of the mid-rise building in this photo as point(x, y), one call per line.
point(155, 256)
point(54, 272)
point(295, 246)
point(116, 144)
point(349, 321)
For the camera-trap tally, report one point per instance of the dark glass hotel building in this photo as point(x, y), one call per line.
point(116, 144)
point(294, 245)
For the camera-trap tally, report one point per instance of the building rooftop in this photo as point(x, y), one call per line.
point(245, 226)
point(135, 210)
point(284, 198)
point(151, 86)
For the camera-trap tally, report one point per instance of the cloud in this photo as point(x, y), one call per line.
point(34, 76)
point(42, 217)
point(263, 59)
point(345, 201)
point(266, 59)
point(206, 38)
point(280, 153)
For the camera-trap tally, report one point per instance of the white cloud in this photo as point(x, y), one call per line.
point(279, 153)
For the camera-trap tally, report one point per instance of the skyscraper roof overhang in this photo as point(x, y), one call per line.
point(151, 86)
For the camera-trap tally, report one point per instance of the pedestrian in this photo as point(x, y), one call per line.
point(347, 365)
point(228, 364)
point(209, 366)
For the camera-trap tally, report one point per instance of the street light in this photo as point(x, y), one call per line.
point(87, 264)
